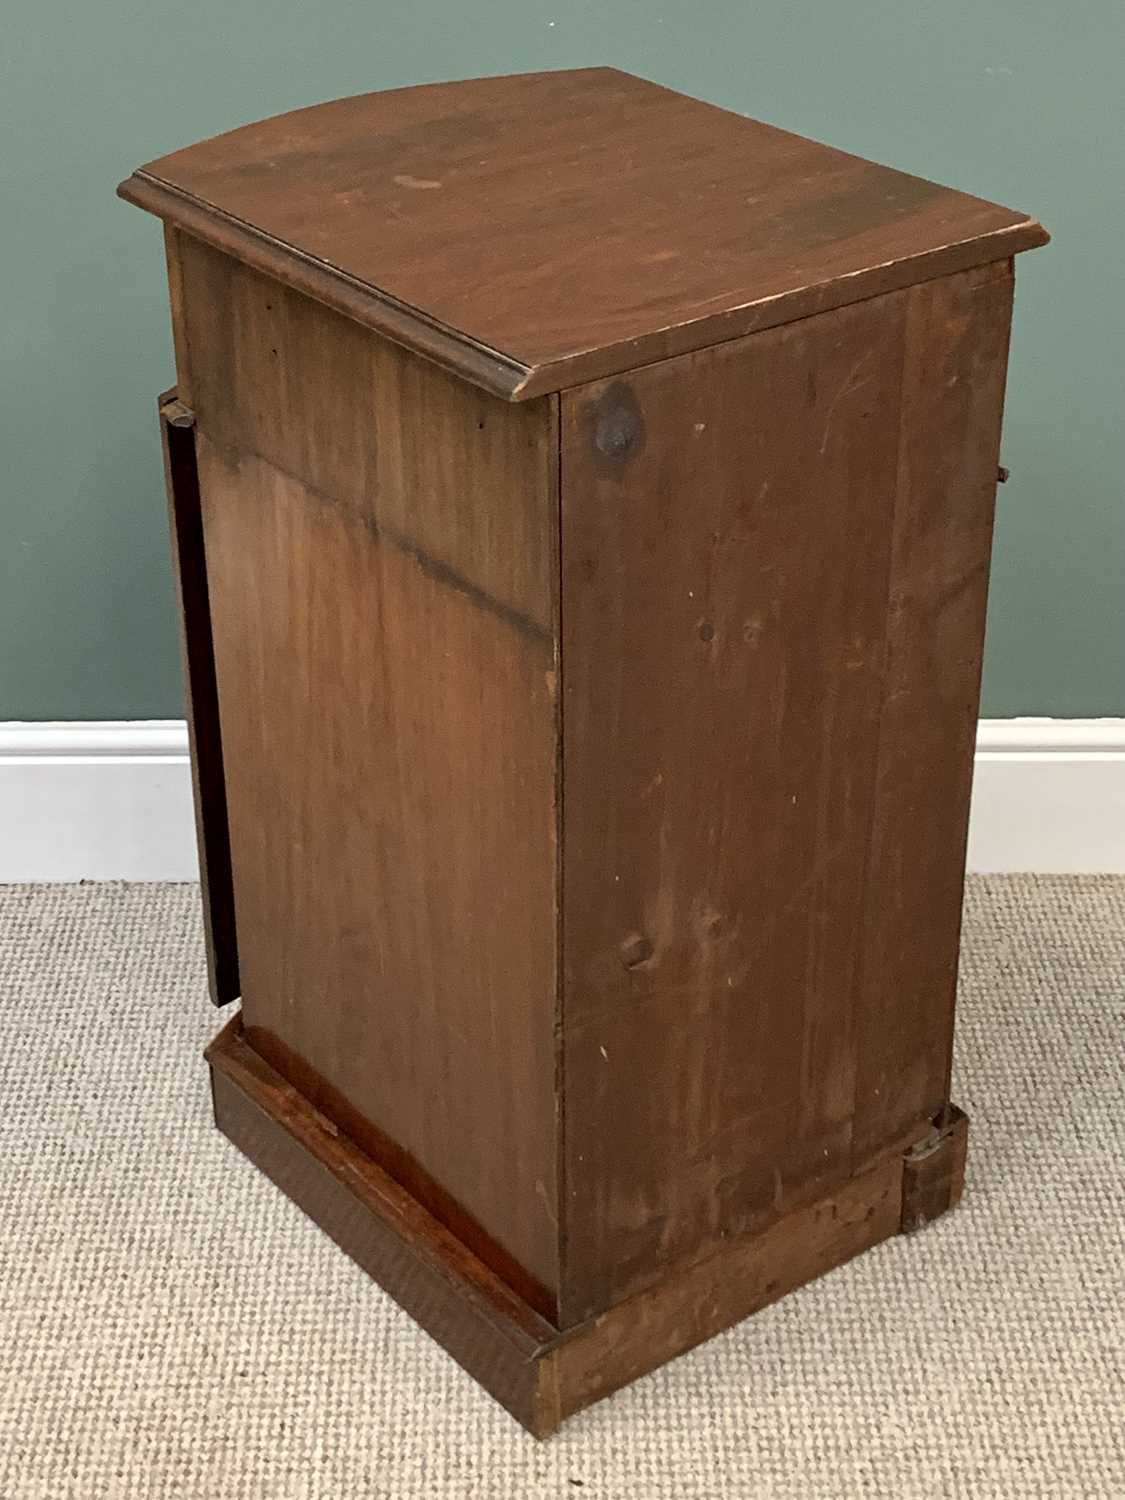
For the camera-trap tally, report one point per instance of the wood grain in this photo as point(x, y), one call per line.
point(453, 477)
point(380, 548)
point(541, 1375)
point(208, 780)
point(174, 242)
point(725, 546)
point(450, 1293)
point(444, 216)
point(744, 1275)
point(592, 785)
point(786, 541)
point(736, 529)
point(955, 357)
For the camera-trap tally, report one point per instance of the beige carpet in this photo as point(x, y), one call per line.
point(171, 1327)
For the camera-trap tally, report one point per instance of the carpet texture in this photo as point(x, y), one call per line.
point(172, 1327)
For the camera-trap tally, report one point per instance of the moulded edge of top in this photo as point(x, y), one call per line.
point(511, 379)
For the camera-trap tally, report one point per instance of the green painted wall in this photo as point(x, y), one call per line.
point(1017, 100)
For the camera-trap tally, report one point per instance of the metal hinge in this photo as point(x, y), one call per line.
point(174, 412)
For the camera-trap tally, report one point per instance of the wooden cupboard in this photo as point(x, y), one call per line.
point(582, 499)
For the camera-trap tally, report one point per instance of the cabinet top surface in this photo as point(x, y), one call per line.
point(536, 231)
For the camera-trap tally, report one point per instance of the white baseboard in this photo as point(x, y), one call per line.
point(112, 801)
point(85, 801)
point(1049, 795)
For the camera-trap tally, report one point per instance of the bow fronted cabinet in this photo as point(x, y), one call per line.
point(582, 499)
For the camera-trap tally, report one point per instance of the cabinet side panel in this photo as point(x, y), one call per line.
point(380, 543)
point(438, 467)
point(726, 529)
point(953, 393)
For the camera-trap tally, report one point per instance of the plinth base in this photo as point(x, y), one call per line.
point(542, 1375)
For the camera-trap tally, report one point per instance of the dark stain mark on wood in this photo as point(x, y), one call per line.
point(617, 427)
point(636, 949)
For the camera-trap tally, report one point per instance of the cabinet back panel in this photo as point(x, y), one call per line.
point(952, 400)
point(735, 524)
